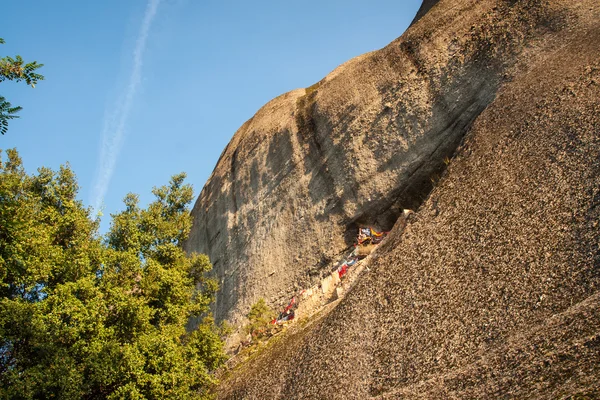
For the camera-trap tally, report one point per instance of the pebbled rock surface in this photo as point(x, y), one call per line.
point(492, 291)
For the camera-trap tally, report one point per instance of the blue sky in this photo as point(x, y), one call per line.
point(162, 85)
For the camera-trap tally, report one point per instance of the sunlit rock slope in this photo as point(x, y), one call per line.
point(355, 148)
point(492, 290)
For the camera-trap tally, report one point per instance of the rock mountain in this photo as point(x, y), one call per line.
point(491, 291)
point(356, 148)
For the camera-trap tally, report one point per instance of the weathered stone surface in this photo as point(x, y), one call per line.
point(493, 289)
point(356, 148)
point(424, 9)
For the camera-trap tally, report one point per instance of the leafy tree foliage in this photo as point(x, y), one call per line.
point(15, 69)
point(259, 319)
point(86, 317)
point(7, 112)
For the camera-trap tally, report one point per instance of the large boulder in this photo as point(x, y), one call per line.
point(367, 141)
point(493, 289)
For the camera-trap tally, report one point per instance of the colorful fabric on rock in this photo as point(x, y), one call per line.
point(343, 269)
point(292, 302)
point(375, 233)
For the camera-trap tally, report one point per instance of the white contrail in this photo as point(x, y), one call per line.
point(114, 123)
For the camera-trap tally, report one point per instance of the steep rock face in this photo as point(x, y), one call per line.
point(365, 142)
point(493, 289)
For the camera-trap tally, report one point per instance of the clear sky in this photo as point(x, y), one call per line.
point(138, 90)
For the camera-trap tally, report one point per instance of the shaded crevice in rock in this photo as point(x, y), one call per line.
point(423, 171)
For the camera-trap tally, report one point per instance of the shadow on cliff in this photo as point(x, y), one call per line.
point(460, 90)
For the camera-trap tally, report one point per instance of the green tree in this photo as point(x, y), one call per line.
point(15, 69)
point(259, 319)
point(86, 317)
